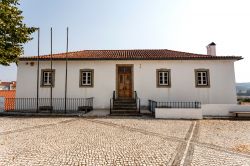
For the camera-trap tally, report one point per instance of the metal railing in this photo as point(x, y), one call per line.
point(138, 102)
point(135, 97)
point(55, 105)
point(177, 104)
point(112, 102)
point(170, 104)
point(152, 105)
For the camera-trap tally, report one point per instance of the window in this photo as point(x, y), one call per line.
point(202, 78)
point(163, 78)
point(86, 78)
point(48, 77)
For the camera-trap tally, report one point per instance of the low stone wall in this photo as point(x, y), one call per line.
point(222, 109)
point(178, 113)
point(205, 110)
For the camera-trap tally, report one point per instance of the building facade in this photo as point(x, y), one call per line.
point(8, 85)
point(161, 75)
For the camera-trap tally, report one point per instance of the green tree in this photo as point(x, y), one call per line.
point(13, 32)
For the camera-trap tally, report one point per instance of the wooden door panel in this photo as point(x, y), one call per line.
point(127, 85)
point(124, 82)
point(121, 85)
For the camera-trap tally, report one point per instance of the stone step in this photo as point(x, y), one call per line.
point(120, 102)
point(125, 113)
point(125, 104)
point(123, 108)
point(124, 101)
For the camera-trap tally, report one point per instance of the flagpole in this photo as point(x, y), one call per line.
point(66, 71)
point(38, 65)
point(51, 65)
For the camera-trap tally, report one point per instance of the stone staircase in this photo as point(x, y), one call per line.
point(125, 107)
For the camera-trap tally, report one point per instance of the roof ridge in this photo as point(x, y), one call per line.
point(110, 50)
point(147, 54)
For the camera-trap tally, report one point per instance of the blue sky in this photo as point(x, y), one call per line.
point(183, 25)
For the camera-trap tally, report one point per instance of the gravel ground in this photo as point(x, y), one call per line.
point(123, 141)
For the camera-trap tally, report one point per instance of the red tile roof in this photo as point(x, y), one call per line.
point(8, 83)
point(9, 96)
point(5, 83)
point(143, 54)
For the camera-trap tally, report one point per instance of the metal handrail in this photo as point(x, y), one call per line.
point(114, 95)
point(137, 99)
point(135, 94)
point(138, 102)
point(110, 107)
point(111, 102)
point(152, 105)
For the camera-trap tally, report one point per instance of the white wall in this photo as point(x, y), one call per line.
point(222, 109)
point(205, 110)
point(221, 91)
point(177, 113)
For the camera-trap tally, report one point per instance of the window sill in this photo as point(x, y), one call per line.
point(86, 86)
point(202, 86)
point(47, 86)
point(163, 86)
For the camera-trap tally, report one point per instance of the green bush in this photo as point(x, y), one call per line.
point(244, 100)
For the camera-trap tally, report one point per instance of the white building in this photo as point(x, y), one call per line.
point(160, 75)
point(7, 85)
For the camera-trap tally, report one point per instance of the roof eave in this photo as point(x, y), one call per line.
point(171, 58)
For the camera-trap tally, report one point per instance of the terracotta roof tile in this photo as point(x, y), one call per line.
point(9, 96)
point(8, 83)
point(143, 54)
point(5, 83)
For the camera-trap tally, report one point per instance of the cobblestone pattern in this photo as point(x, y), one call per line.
point(122, 141)
point(175, 128)
point(210, 157)
point(83, 142)
point(202, 152)
point(12, 124)
point(230, 134)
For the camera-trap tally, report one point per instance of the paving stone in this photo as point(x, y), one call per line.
point(12, 123)
point(85, 142)
point(175, 128)
point(206, 156)
point(122, 141)
point(226, 133)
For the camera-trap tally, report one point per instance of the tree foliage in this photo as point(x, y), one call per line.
point(13, 32)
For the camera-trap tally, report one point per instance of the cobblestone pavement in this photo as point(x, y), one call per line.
point(123, 141)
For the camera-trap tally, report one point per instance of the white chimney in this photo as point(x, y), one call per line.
point(211, 49)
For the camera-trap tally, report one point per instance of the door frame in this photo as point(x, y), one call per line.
point(132, 78)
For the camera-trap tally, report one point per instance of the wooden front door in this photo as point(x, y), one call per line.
point(124, 82)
